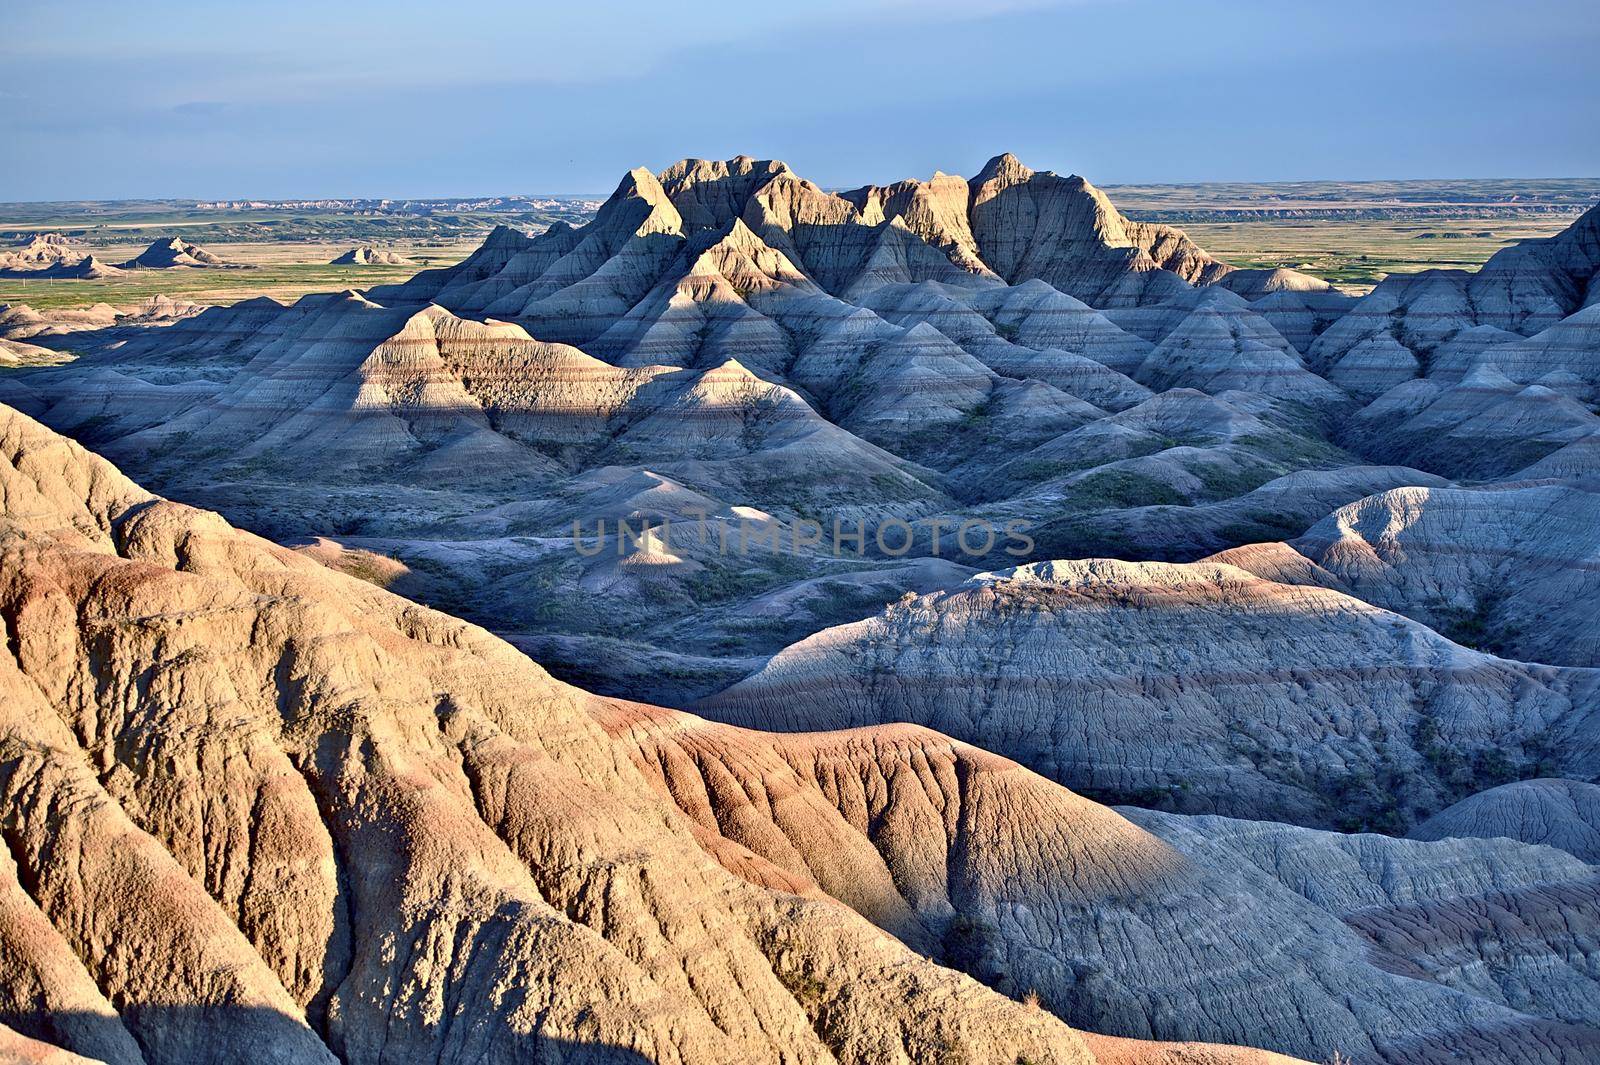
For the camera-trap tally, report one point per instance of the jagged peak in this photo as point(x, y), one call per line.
point(419, 326)
point(437, 323)
point(692, 169)
point(356, 296)
point(640, 183)
point(735, 234)
point(504, 236)
point(1005, 169)
point(924, 333)
point(729, 367)
point(719, 251)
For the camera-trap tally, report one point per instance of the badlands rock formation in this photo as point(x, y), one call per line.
point(1514, 571)
point(727, 342)
point(426, 848)
point(104, 323)
point(367, 255)
point(1559, 813)
point(39, 254)
point(1199, 686)
point(169, 252)
point(1519, 293)
point(420, 817)
point(50, 255)
point(40, 250)
point(1271, 564)
point(1158, 925)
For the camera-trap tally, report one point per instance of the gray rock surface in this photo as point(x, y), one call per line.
point(1513, 570)
point(1199, 685)
point(424, 848)
point(1554, 812)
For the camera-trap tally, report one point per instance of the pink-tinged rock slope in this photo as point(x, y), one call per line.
point(254, 808)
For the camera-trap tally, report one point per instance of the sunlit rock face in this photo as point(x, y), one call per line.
point(727, 341)
point(1285, 578)
point(1009, 349)
point(397, 778)
point(258, 809)
point(1123, 678)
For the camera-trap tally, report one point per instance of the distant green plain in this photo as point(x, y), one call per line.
point(1357, 254)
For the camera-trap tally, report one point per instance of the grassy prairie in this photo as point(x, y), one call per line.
point(1481, 197)
point(356, 221)
point(1354, 233)
point(1357, 254)
point(286, 246)
point(283, 271)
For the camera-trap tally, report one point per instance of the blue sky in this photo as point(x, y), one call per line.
point(178, 98)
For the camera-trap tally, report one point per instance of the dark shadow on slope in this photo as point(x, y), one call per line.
point(230, 1035)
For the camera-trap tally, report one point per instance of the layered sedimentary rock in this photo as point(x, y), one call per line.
point(1200, 685)
point(737, 343)
point(101, 322)
point(425, 846)
point(1156, 925)
point(1065, 232)
point(1485, 426)
point(1446, 323)
point(367, 255)
point(39, 251)
point(171, 252)
point(252, 800)
point(1008, 224)
point(1554, 812)
point(50, 255)
point(1508, 570)
point(418, 815)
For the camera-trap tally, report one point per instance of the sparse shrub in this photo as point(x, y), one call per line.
point(1113, 489)
point(967, 945)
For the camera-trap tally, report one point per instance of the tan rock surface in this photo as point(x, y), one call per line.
point(367, 255)
point(1146, 924)
point(268, 806)
point(171, 252)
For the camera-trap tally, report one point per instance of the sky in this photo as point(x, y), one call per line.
point(105, 99)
